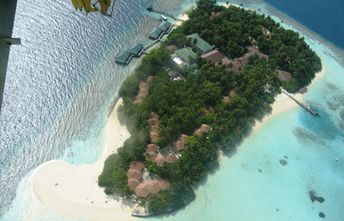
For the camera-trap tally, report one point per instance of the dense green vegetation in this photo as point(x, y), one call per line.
point(186, 104)
point(233, 29)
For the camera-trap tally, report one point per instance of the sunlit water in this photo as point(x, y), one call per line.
point(62, 81)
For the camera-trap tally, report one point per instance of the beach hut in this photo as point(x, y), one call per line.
point(136, 50)
point(155, 33)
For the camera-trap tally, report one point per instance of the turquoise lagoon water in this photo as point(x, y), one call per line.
point(253, 184)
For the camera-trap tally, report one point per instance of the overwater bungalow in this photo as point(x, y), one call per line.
point(123, 58)
point(165, 26)
point(155, 33)
point(136, 50)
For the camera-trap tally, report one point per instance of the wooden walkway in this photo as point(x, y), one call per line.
point(150, 45)
point(304, 106)
point(151, 9)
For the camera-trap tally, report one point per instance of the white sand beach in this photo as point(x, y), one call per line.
point(72, 190)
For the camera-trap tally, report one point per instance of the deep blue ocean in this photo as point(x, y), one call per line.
point(60, 87)
point(325, 17)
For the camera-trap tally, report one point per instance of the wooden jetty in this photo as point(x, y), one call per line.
point(304, 106)
point(150, 8)
point(150, 45)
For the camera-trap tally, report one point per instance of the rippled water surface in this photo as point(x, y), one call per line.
point(61, 82)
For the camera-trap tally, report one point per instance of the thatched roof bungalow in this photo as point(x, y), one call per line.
point(165, 158)
point(150, 187)
point(142, 93)
point(284, 75)
point(214, 56)
point(133, 183)
point(204, 128)
point(151, 151)
point(136, 165)
point(154, 124)
point(180, 143)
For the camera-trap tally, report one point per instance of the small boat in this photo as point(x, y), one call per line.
point(163, 18)
point(140, 213)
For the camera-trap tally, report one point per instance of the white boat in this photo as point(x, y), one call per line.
point(163, 18)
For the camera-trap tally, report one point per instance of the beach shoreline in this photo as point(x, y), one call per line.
point(283, 103)
point(72, 190)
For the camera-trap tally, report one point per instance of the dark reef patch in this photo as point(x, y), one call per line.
point(285, 157)
point(321, 215)
point(315, 198)
point(260, 170)
point(323, 126)
point(335, 102)
point(283, 162)
point(331, 86)
point(341, 114)
point(305, 136)
point(341, 125)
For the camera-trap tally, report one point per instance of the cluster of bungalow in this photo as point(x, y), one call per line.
point(185, 59)
point(160, 31)
point(137, 50)
point(126, 56)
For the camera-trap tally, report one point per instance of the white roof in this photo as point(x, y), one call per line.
point(178, 60)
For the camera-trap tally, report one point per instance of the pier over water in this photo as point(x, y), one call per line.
point(304, 106)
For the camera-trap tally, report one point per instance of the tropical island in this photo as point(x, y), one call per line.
point(197, 96)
